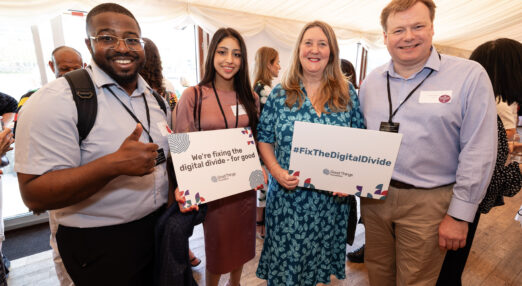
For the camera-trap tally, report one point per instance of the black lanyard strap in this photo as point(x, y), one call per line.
point(221, 107)
point(407, 97)
point(132, 113)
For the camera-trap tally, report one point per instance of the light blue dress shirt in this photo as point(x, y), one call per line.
point(449, 126)
point(47, 140)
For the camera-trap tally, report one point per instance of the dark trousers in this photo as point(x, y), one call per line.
point(110, 255)
point(455, 260)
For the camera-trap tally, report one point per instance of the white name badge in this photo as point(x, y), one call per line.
point(240, 109)
point(343, 159)
point(211, 165)
point(436, 96)
point(164, 128)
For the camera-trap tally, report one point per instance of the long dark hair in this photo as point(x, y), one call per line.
point(502, 59)
point(241, 78)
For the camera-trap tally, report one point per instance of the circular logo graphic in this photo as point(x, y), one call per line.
point(179, 143)
point(256, 178)
point(326, 171)
point(444, 98)
point(213, 179)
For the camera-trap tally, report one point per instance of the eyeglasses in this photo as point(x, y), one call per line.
point(133, 44)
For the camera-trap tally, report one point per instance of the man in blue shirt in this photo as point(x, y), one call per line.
point(108, 189)
point(444, 106)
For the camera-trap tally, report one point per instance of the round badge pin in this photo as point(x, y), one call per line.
point(444, 98)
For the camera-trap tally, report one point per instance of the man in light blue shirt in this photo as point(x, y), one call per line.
point(444, 106)
point(107, 190)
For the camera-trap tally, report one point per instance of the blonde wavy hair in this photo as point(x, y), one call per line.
point(334, 84)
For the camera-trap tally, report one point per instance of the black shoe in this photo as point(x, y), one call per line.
point(356, 256)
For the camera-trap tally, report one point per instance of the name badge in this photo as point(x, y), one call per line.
point(240, 110)
point(435, 96)
point(392, 127)
point(164, 128)
point(161, 157)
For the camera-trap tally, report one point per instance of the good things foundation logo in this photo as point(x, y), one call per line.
point(334, 173)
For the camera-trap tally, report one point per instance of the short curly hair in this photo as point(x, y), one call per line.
point(107, 7)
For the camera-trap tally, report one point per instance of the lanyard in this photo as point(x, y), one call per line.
point(392, 114)
point(134, 116)
point(407, 97)
point(221, 107)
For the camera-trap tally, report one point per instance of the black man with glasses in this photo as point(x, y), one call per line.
point(108, 189)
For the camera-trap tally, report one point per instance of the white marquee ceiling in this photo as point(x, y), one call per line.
point(461, 24)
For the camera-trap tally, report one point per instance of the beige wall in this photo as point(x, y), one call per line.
point(453, 51)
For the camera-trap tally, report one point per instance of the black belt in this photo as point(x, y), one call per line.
point(401, 185)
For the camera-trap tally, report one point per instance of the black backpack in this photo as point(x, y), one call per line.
point(84, 96)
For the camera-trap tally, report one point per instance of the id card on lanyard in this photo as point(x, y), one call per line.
point(390, 126)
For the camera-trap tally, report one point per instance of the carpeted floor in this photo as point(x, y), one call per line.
point(26, 241)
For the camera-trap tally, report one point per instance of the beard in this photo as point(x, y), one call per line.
point(122, 76)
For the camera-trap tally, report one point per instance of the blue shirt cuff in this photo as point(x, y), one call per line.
point(462, 210)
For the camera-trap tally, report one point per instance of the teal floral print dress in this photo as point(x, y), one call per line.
point(305, 228)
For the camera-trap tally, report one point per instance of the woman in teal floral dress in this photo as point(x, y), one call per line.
point(305, 229)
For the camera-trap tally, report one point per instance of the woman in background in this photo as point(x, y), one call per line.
point(502, 60)
point(229, 227)
point(152, 73)
point(266, 69)
point(305, 239)
point(349, 71)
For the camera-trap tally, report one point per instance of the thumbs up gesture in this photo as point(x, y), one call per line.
point(135, 158)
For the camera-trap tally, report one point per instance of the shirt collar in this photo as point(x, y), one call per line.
point(101, 78)
point(433, 63)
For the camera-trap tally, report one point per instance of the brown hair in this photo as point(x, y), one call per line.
point(264, 57)
point(152, 70)
point(349, 71)
point(396, 6)
point(334, 85)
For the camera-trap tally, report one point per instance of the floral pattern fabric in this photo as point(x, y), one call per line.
point(305, 228)
point(506, 179)
point(263, 91)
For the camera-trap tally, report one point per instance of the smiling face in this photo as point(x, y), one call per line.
point(274, 67)
point(119, 62)
point(314, 52)
point(227, 59)
point(409, 36)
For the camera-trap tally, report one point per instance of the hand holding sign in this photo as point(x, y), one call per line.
point(286, 180)
point(211, 165)
point(344, 160)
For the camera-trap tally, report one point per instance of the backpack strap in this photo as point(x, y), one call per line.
point(86, 101)
point(84, 95)
point(160, 100)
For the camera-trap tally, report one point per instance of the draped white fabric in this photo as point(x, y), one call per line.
point(459, 24)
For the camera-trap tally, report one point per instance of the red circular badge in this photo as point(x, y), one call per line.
point(444, 98)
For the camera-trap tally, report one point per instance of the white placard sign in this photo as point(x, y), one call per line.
point(343, 159)
point(211, 165)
